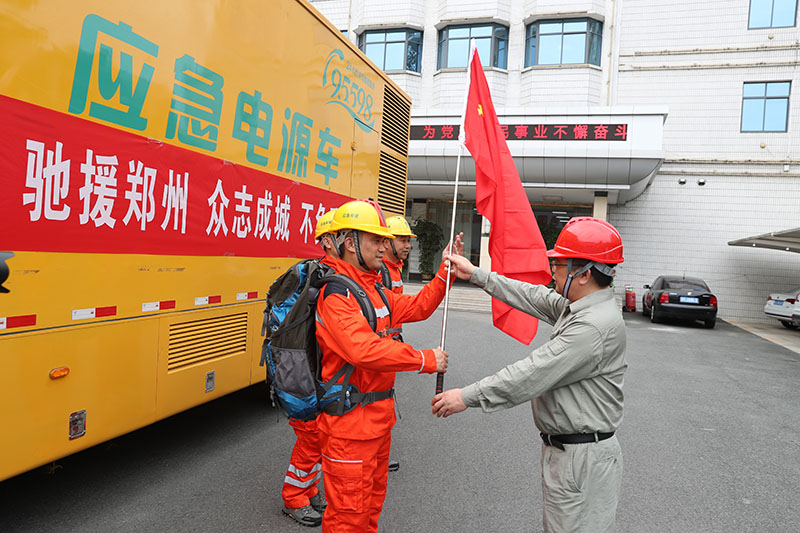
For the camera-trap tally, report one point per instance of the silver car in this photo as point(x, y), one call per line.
point(781, 305)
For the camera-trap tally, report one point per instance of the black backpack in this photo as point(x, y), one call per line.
point(291, 352)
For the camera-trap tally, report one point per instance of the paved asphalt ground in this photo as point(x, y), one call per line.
point(711, 441)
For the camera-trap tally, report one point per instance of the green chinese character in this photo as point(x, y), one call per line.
point(296, 144)
point(109, 85)
point(205, 114)
point(325, 154)
point(257, 115)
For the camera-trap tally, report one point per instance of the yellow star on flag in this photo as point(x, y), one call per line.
point(480, 109)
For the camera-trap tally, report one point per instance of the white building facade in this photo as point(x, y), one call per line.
point(675, 120)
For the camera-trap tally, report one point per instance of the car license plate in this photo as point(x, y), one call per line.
point(778, 302)
point(689, 300)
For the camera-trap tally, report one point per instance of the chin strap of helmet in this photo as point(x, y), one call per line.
point(339, 241)
point(570, 276)
point(602, 267)
point(340, 244)
point(394, 250)
point(356, 238)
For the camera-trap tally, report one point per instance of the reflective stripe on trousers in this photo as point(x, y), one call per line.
point(305, 466)
point(301, 478)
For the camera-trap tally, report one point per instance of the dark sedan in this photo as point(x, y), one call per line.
point(680, 297)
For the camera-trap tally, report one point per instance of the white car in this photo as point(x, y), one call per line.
point(781, 305)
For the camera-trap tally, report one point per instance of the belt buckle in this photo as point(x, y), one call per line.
point(550, 442)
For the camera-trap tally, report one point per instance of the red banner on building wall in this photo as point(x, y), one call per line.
point(529, 132)
point(71, 185)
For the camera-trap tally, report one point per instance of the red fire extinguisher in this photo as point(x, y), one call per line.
point(630, 299)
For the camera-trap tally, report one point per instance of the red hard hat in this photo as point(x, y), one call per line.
point(589, 238)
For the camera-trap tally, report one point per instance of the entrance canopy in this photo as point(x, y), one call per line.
point(562, 154)
point(787, 240)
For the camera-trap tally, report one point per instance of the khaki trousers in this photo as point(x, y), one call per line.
point(581, 487)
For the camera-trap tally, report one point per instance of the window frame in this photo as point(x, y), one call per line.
point(771, 17)
point(495, 49)
point(763, 112)
point(532, 33)
point(409, 32)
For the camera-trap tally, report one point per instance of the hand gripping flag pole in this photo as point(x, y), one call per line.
point(440, 375)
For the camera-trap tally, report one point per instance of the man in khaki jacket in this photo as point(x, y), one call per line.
point(574, 381)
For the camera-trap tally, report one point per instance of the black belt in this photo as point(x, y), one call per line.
point(578, 438)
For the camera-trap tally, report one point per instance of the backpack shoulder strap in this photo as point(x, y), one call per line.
point(386, 276)
point(358, 291)
point(381, 288)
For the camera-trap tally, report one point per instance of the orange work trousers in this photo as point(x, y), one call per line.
point(305, 468)
point(355, 473)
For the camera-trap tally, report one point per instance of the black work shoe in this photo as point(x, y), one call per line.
point(318, 502)
point(394, 466)
point(305, 515)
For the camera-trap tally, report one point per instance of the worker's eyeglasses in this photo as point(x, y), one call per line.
point(553, 265)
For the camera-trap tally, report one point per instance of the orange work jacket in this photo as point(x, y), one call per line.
point(345, 337)
point(396, 273)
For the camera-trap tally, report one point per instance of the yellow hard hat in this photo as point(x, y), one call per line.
point(361, 216)
point(399, 226)
point(324, 224)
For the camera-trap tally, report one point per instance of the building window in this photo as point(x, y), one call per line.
point(772, 14)
point(563, 42)
point(765, 106)
point(393, 49)
point(491, 41)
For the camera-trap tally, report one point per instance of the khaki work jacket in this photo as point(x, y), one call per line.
point(574, 381)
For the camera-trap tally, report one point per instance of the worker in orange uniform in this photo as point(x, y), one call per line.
point(356, 437)
point(398, 251)
point(302, 500)
point(392, 273)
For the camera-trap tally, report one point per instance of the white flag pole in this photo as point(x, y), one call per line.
point(472, 48)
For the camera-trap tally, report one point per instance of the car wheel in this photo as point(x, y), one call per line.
point(709, 322)
point(645, 310)
point(653, 315)
point(788, 325)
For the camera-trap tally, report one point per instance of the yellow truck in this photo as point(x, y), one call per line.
point(162, 163)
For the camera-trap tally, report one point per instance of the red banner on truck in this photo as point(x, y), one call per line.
point(103, 190)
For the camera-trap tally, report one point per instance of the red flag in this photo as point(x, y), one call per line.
point(515, 242)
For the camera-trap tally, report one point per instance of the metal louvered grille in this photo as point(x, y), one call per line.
point(201, 341)
point(396, 117)
point(392, 184)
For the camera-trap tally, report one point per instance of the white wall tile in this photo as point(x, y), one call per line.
point(689, 56)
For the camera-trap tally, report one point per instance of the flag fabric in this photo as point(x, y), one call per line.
point(515, 242)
